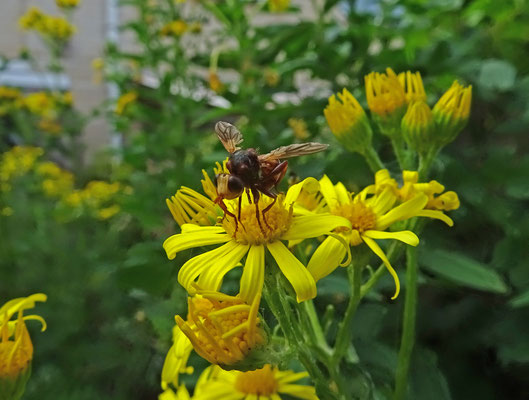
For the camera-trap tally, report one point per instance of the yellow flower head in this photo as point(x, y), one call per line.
point(412, 85)
point(451, 112)
point(108, 212)
point(222, 329)
point(57, 28)
point(95, 193)
point(267, 383)
point(18, 161)
point(39, 103)
point(16, 349)
point(437, 200)
point(8, 93)
point(371, 212)
point(31, 18)
point(67, 4)
point(418, 129)
point(251, 238)
point(278, 5)
point(348, 122)
point(50, 126)
point(271, 77)
point(124, 100)
point(174, 28)
point(215, 83)
point(299, 127)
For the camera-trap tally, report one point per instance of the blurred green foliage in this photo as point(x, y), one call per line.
point(112, 293)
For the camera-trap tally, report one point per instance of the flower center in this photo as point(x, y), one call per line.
point(13, 359)
point(273, 224)
point(261, 382)
point(361, 216)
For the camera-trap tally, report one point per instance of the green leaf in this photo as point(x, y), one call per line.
point(462, 270)
point(426, 380)
point(497, 74)
point(521, 300)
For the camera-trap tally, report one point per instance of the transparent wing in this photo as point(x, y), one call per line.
point(293, 150)
point(229, 135)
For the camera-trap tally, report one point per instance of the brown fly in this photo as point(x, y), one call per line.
point(252, 172)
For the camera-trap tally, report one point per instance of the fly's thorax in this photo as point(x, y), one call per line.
point(244, 164)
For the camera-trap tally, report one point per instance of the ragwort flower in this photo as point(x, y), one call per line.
point(267, 383)
point(251, 238)
point(16, 349)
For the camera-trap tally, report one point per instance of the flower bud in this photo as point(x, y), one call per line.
point(418, 127)
point(348, 122)
point(386, 100)
point(451, 112)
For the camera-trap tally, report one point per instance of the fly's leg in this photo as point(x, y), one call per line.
point(255, 193)
point(222, 205)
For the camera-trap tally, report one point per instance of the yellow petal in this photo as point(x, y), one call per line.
point(407, 237)
point(342, 193)
point(437, 215)
point(252, 279)
point(328, 192)
point(314, 225)
point(212, 277)
point(195, 266)
point(21, 303)
point(311, 185)
point(193, 228)
point(326, 258)
point(406, 210)
point(296, 273)
point(384, 201)
point(299, 391)
point(378, 251)
point(184, 241)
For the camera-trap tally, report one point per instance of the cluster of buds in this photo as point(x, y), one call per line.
point(398, 107)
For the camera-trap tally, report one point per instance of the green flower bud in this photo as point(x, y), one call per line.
point(451, 112)
point(418, 128)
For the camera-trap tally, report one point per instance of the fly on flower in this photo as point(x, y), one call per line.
point(253, 172)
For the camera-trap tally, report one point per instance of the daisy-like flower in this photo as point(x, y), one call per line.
point(267, 383)
point(371, 212)
point(281, 223)
point(222, 329)
point(16, 349)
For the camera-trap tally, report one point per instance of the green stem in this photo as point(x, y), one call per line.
point(400, 153)
point(316, 330)
point(408, 325)
point(344, 336)
point(425, 163)
point(373, 160)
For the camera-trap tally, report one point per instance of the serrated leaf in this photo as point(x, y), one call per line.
point(462, 270)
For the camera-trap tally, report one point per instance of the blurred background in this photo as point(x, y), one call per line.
point(107, 107)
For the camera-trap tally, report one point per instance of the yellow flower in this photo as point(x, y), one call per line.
point(73, 199)
point(252, 239)
point(39, 103)
point(412, 85)
point(386, 100)
point(124, 100)
point(267, 383)
point(31, 18)
point(222, 329)
point(271, 77)
point(18, 161)
point(181, 394)
point(215, 83)
point(190, 207)
point(451, 112)
point(16, 349)
point(278, 5)
point(176, 360)
point(299, 127)
point(348, 122)
point(50, 126)
point(371, 213)
point(108, 212)
point(67, 4)
point(174, 28)
point(418, 129)
point(8, 93)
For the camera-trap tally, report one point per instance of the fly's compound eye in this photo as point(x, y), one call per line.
point(235, 185)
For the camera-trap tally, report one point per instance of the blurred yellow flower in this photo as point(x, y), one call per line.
point(215, 83)
point(271, 77)
point(256, 236)
point(16, 349)
point(67, 4)
point(108, 212)
point(278, 5)
point(348, 122)
point(39, 103)
point(31, 18)
point(18, 161)
point(57, 28)
point(124, 100)
point(299, 127)
point(174, 28)
point(267, 383)
point(49, 126)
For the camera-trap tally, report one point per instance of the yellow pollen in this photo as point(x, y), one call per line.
point(361, 216)
point(278, 220)
point(261, 382)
